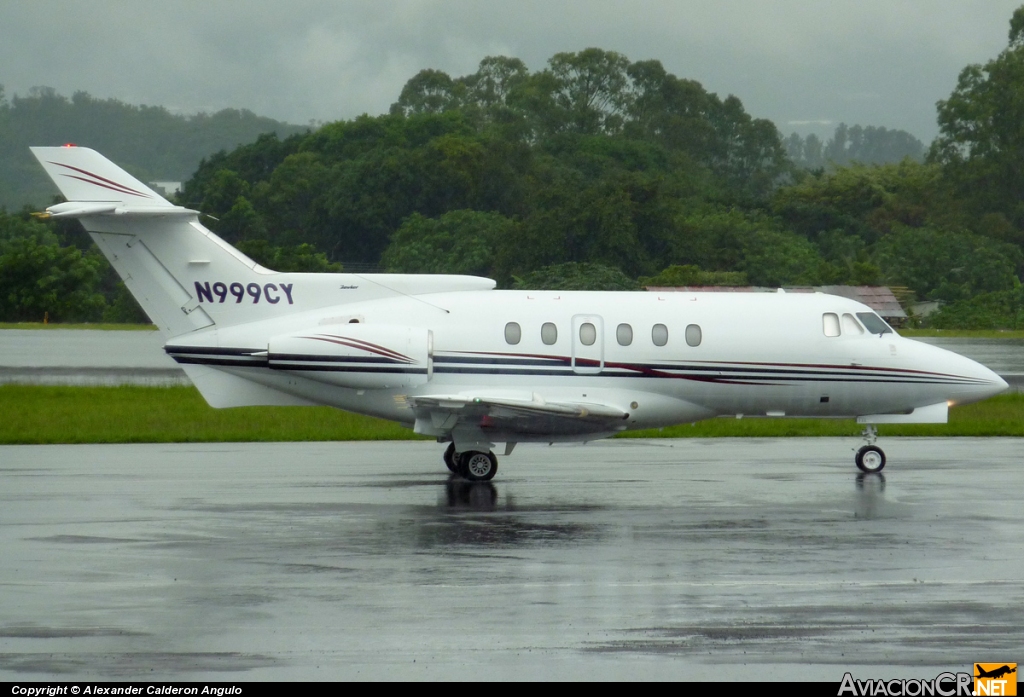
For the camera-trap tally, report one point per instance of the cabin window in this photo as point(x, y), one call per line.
point(513, 333)
point(588, 334)
point(548, 333)
point(693, 335)
point(624, 334)
point(851, 326)
point(830, 324)
point(874, 324)
point(659, 334)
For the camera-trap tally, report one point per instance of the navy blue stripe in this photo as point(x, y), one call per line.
point(740, 371)
point(347, 369)
point(332, 359)
point(189, 360)
point(561, 367)
point(213, 351)
point(502, 361)
point(642, 371)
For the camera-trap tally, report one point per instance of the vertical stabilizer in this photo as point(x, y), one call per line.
point(186, 277)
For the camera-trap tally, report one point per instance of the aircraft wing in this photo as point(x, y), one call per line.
point(440, 414)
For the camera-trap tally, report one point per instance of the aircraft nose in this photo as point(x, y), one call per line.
point(999, 384)
point(987, 383)
point(971, 381)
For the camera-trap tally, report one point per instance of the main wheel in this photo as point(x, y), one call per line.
point(449, 458)
point(477, 466)
point(870, 459)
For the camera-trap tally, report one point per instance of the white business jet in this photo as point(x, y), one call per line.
point(453, 358)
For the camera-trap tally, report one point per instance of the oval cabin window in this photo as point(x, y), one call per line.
point(659, 334)
point(624, 334)
point(830, 324)
point(513, 333)
point(693, 335)
point(548, 333)
point(588, 334)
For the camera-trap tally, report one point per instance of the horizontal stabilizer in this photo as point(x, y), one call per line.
point(78, 209)
point(82, 174)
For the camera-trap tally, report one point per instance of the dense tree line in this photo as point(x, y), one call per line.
point(598, 172)
point(872, 145)
point(149, 141)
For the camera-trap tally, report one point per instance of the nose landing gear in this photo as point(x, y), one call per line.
point(870, 458)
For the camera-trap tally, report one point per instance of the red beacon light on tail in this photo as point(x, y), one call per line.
point(69, 145)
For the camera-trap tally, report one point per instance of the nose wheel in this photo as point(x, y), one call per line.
point(870, 458)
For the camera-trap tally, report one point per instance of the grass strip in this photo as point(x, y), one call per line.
point(36, 414)
point(85, 325)
point(963, 333)
point(131, 414)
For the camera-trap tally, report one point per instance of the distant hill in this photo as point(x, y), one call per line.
point(148, 141)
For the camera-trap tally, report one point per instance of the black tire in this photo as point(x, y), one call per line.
point(870, 459)
point(449, 458)
point(478, 466)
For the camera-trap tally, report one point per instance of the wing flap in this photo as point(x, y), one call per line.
point(438, 415)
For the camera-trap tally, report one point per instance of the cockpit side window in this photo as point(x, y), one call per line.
point(851, 326)
point(830, 324)
point(873, 323)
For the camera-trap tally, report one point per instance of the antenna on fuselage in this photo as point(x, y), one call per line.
point(395, 290)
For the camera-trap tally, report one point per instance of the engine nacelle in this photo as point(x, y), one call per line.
point(356, 355)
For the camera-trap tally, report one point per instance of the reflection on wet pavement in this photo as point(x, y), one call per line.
point(621, 559)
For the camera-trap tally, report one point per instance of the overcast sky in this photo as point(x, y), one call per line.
point(805, 64)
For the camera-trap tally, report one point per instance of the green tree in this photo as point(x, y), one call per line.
point(429, 92)
point(1002, 309)
point(302, 257)
point(489, 90)
point(772, 258)
point(590, 89)
point(459, 242)
point(692, 275)
point(39, 278)
point(575, 276)
point(946, 265)
point(981, 131)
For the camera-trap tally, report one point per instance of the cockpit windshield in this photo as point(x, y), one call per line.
point(873, 323)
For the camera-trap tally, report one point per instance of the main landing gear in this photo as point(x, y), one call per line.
point(474, 465)
point(870, 458)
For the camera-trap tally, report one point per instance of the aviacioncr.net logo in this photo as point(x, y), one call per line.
point(995, 679)
point(943, 685)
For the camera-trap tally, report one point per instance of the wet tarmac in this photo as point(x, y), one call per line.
point(1004, 356)
point(86, 357)
point(700, 559)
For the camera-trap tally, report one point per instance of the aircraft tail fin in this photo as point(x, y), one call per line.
point(161, 251)
point(187, 278)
